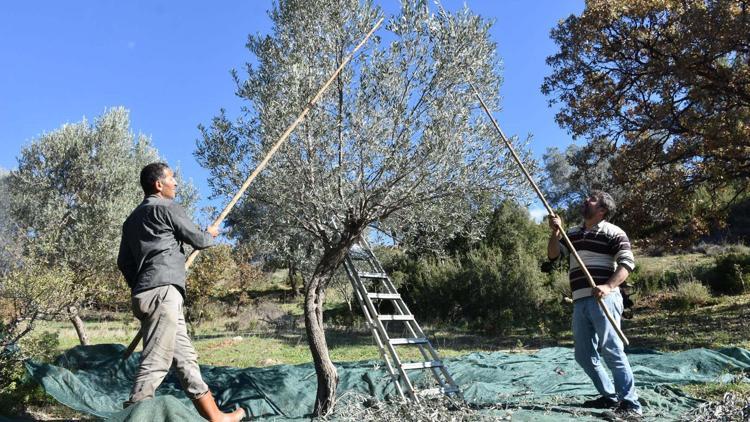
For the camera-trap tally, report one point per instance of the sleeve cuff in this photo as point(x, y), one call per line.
point(630, 266)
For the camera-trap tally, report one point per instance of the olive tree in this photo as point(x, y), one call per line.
point(71, 192)
point(397, 144)
point(8, 230)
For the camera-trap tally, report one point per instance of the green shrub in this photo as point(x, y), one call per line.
point(511, 284)
point(428, 286)
point(494, 285)
point(485, 290)
point(649, 278)
point(210, 276)
point(26, 292)
point(17, 389)
point(511, 228)
point(555, 312)
point(730, 274)
point(649, 282)
point(390, 257)
point(688, 295)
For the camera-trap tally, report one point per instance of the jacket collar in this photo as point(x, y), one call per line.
point(150, 199)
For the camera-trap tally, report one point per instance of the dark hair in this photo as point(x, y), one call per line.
point(605, 201)
point(150, 175)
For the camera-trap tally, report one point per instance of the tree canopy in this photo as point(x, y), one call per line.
point(73, 188)
point(75, 185)
point(663, 87)
point(395, 143)
point(8, 231)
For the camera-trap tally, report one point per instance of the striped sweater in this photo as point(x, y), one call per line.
point(602, 249)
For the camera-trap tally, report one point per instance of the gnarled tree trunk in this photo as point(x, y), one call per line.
point(328, 378)
point(83, 337)
point(326, 373)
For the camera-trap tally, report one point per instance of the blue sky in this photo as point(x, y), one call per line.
point(169, 63)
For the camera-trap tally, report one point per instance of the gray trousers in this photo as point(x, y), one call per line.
point(165, 342)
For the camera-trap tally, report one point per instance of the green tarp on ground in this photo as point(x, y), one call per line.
point(547, 385)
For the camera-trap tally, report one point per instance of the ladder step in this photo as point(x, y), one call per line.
point(360, 257)
point(448, 389)
point(422, 365)
point(396, 317)
point(358, 253)
point(399, 341)
point(365, 274)
point(384, 296)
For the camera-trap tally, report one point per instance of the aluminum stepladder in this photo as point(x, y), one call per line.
point(366, 274)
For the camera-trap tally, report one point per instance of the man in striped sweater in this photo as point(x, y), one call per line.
point(605, 250)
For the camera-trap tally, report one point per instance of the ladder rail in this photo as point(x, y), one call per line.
point(431, 359)
point(376, 335)
point(414, 327)
point(358, 285)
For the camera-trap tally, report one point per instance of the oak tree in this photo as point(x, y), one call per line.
point(663, 88)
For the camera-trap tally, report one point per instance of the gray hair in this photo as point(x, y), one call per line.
point(605, 200)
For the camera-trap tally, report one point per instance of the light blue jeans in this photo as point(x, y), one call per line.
point(594, 335)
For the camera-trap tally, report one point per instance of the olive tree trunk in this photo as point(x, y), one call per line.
point(326, 373)
point(314, 299)
point(83, 337)
point(292, 275)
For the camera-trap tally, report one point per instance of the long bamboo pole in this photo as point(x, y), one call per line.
point(551, 213)
point(271, 152)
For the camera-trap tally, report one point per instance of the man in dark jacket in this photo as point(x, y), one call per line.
point(152, 259)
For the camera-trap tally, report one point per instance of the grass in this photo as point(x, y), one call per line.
point(719, 324)
point(266, 348)
point(99, 332)
point(661, 264)
point(270, 329)
point(279, 338)
point(715, 391)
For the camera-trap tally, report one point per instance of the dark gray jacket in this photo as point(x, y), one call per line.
point(151, 252)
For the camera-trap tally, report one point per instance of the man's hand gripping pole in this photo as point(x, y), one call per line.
point(551, 213)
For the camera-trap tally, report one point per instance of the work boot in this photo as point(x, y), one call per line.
point(207, 408)
point(601, 403)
